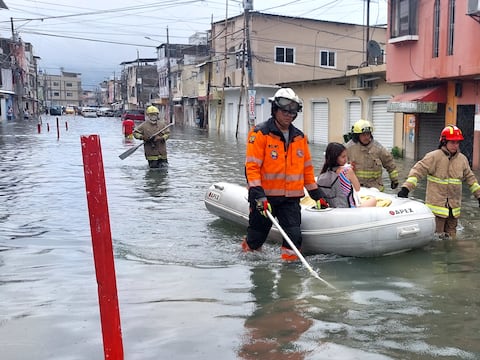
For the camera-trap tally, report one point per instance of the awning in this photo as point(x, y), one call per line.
point(418, 101)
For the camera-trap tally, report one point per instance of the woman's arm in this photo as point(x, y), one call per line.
point(352, 177)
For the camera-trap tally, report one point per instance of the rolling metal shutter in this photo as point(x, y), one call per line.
point(354, 113)
point(320, 123)
point(430, 127)
point(382, 124)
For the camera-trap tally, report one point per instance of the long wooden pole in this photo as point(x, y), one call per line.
point(294, 248)
point(102, 246)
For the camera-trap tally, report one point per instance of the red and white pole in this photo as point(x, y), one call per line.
point(102, 246)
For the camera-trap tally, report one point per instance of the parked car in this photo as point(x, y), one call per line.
point(70, 110)
point(102, 111)
point(134, 114)
point(108, 113)
point(56, 110)
point(89, 112)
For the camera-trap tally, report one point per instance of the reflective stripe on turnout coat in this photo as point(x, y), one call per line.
point(445, 175)
point(369, 162)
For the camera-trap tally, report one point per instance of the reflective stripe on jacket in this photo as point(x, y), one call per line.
point(279, 170)
point(369, 161)
point(445, 175)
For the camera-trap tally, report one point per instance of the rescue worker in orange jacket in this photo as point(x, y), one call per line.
point(278, 167)
point(446, 169)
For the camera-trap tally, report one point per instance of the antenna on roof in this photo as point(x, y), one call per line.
point(374, 52)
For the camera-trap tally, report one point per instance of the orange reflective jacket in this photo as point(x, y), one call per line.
point(280, 171)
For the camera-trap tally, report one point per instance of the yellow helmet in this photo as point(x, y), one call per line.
point(362, 126)
point(152, 110)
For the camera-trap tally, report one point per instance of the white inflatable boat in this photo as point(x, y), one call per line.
point(395, 225)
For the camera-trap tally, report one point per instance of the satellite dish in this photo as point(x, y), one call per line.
point(373, 49)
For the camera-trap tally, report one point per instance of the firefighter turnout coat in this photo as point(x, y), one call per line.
point(369, 161)
point(445, 174)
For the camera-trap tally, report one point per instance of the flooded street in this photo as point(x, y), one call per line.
point(185, 289)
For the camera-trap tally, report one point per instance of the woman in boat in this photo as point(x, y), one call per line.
point(338, 181)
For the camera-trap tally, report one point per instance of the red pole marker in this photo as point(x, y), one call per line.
point(66, 126)
point(102, 246)
point(58, 130)
point(48, 127)
point(39, 128)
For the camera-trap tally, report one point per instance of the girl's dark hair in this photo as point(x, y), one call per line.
point(332, 152)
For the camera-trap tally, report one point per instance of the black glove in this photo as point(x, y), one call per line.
point(263, 206)
point(403, 193)
point(394, 184)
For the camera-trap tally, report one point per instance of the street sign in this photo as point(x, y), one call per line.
point(251, 107)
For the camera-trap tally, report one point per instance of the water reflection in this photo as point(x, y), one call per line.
point(278, 321)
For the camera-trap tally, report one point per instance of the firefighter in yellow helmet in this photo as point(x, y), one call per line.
point(155, 146)
point(368, 157)
point(445, 168)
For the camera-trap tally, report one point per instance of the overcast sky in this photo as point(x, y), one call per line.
point(93, 37)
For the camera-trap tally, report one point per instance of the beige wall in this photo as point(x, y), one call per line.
point(337, 92)
point(307, 37)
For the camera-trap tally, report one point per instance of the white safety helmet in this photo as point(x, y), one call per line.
point(283, 99)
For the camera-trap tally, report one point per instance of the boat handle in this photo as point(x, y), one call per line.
point(409, 231)
point(218, 187)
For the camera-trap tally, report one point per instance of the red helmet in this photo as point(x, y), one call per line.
point(451, 132)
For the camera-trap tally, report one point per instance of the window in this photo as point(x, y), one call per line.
point(451, 26)
point(69, 94)
point(327, 58)
point(403, 18)
point(284, 55)
point(56, 83)
point(68, 84)
point(56, 93)
point(436, 27)
point(239, 59)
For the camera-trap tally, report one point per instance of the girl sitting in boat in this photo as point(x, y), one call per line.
point(338, 181)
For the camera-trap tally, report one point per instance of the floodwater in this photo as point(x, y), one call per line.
point(185, 289)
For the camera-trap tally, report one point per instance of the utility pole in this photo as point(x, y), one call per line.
point(368, 32)
point(137, 93)
point(169, 78)
point(248, 5)
point(114, 86)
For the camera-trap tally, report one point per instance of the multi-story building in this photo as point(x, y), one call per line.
point(282, 49)
point(111, 93)
point(18, 89)
point(64, 89)
point(139, 82)
point(7, 92)
point(432, 50)
point(178, 82)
